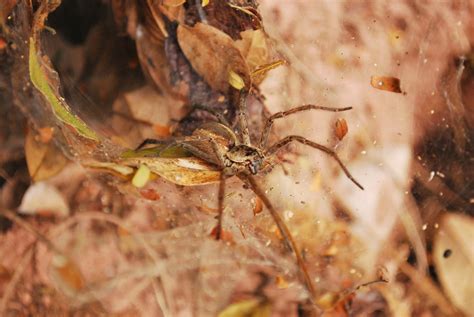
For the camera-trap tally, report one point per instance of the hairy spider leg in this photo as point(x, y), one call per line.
point(151, 141)
point(284, 231)
point(220, 206)
point(242, 117)
point(269, 122)
point(219, 116)
point(278, 145)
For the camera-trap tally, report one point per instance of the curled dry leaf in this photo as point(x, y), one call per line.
point(454, 259)
point(340, 128)
point(386, 83)
point(213, 55)
point(254, 48)
point(44, 160)
point(122, 170)
point(43, 199)
point(187, 171)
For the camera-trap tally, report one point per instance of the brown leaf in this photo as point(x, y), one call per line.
point(258, 207)
point(213, 55)
point(162, 130)
point(386, 83)
point(43, 160)
point(149, 194)
point(254, 48)
point(3, 44)
point(454, 259)
point(46, 134)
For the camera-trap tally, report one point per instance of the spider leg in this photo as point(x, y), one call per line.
point(219, 116)
point(243, 118)
point(284, 231)
point(150, 141)
point(220, 206)
point(268, 124)
point(275, 147)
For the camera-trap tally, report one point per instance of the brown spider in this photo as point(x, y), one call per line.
point(234, 155)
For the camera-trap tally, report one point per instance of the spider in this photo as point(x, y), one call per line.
point(233, 154)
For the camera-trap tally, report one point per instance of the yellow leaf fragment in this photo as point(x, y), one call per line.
point(235, 80)
point(205, 3)
point(247, 308)
point(141, 177)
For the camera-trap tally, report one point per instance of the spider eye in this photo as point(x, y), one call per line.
point(253, 169)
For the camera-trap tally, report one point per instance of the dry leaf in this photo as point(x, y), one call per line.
point(281, 282)
point(43, 160)
point(213, 54)
point(189, 171)
point(454, 259)
point(340, 129)
point(67, 274)
point(173, 3)
point(3, 44)
point(204, 3)
point(258, 207)
point(225, 235)
point(162, 130)
point(150, 194)
point(254, 48)
point(109, 166)
point(43, 199)
point(247, 308)
point(46, 134)
point(386, 83)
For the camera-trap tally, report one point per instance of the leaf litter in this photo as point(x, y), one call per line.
point(160, 253)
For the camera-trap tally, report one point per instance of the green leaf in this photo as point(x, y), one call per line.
point(59, 107)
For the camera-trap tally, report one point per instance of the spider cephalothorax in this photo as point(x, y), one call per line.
point(243, 159)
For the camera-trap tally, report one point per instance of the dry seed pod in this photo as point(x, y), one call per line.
point(340, 128)
point(386, 83)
